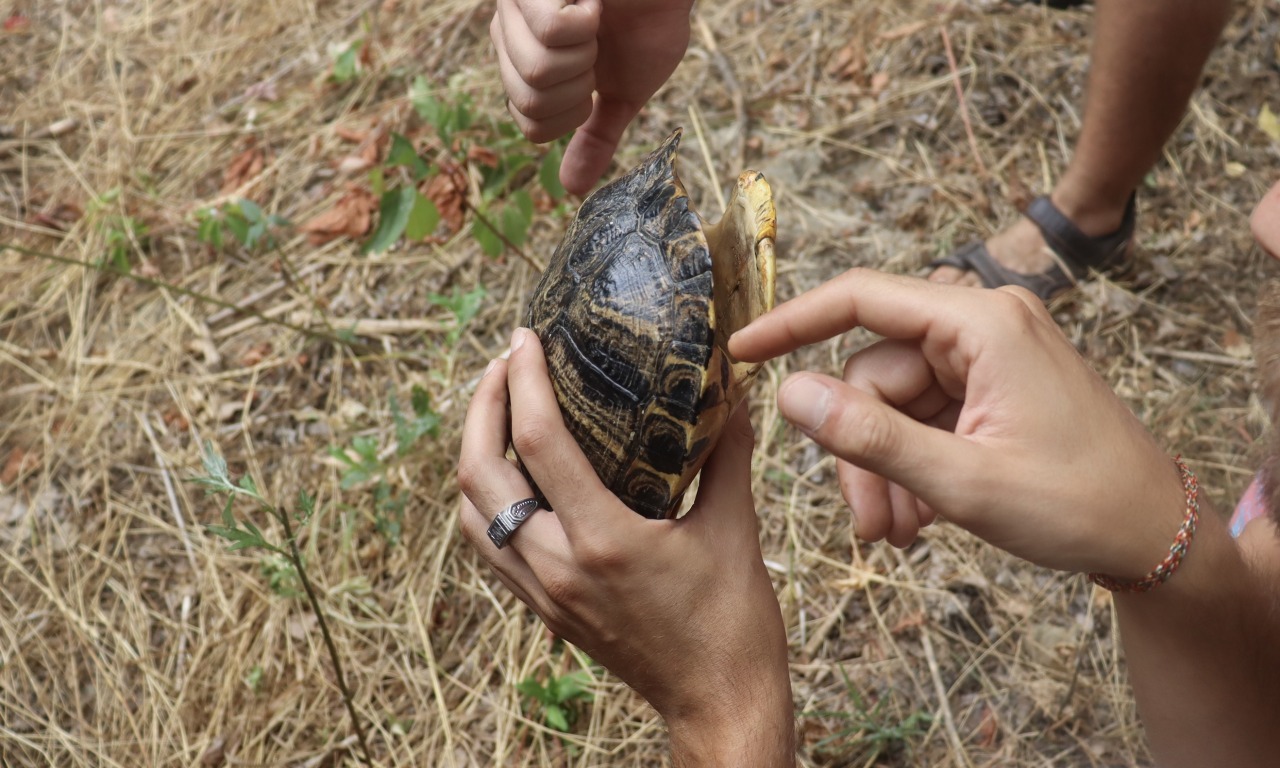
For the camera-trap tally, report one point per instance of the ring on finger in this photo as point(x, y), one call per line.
point(509, 519)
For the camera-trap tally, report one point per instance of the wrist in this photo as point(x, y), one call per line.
point(749, 729)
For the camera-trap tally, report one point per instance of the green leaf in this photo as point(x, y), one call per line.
point(306, 504)
point(549, 172)
point(487, 239)
point(422, 219)
point(393, 216)
point(515, 223)
point(346, 64)
point(210, 229)
point(353, 477)
point(250, 210)
point(427, 107)
point(403, 154)
point(227, 518)
point(237, 225)
point(531, 689)
point(555, 717)
point(421, 401)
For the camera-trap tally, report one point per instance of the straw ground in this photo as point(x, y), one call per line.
point(130, 636)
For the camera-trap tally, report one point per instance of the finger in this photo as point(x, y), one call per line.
point(535, 104)
point(890, 305)
point(860, 429)
point(592, 147)
point(488, 480)
point(507, 563)
point(898, 373)
point(538, 64)
point(546, 448)
point(726, 477)
point(555, 23)
point(868, 497)
point(906, 519)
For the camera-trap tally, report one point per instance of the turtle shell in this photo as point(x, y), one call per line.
point(625, 312)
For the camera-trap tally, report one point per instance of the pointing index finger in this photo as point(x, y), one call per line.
point(893, 306)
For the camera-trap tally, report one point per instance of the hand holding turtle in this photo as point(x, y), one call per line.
point(977, 408)
point(552, 56)
point(681, 610)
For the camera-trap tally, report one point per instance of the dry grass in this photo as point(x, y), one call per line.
point(127, 633)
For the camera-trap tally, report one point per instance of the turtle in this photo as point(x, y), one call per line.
point(634, 312)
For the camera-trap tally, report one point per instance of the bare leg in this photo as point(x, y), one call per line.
point(1146, 61)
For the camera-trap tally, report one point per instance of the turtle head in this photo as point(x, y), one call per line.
point(742, 264)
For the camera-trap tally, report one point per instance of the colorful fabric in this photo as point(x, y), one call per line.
point(1252, 506)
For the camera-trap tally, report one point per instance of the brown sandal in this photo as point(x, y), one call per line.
point(1078, 252)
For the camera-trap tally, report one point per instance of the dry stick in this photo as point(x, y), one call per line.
point(227, 305)
point(347, 698)
point(515, 248)
point(964, 104)
point(731, 82)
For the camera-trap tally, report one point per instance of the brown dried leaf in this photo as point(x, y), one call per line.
point(879, 82)
point(242, 169)
point(448, 190)
point(848, 62)
point(19, 461)
point(906, 30)
point(351, 216)
point(353, 135)
point(483, 156)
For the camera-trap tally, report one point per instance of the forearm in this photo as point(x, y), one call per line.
point(1203, 651)
point(751, 728)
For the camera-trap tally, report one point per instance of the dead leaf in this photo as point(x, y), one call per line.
point(849, 61)
point(19, 461)
point(482, 156)
point(906, 30)
point(988, 727)
point(263, 90)
point(1269, 122)
point(1236, 345)
point(243, 168)
point(879, 82)
point(910, 621)
point(256, 354)
point(448, 191)
point(353, 135)
point(1193, 222)
point(17, 24)
point(351, 217)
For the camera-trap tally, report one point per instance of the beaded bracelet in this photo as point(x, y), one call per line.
point(1181, 542)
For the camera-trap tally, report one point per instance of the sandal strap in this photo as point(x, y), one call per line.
point(976, 258)
point(1078, 251)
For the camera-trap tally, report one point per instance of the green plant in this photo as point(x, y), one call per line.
point(124, 234)
point(502, 215)
point(346, 62)
point(868, 729)
point(363, 463)
point(244, 534)
point(254, 678)
point(240, 220)
point(464, 307)
point(557, 700)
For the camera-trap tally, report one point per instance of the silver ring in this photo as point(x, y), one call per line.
point(509, 519)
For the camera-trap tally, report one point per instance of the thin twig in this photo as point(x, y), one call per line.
point(964, 104)
point(347, 698)
point(153, 283)
point(514, 248)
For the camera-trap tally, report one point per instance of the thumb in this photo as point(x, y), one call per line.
point(726, 477)
point(591, 149)
point(933, 464)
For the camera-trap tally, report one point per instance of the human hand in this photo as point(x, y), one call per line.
point(682, 610)
point(552, 56)
point(974, 407)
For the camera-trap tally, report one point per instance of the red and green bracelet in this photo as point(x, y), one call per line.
point(1181, 542)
